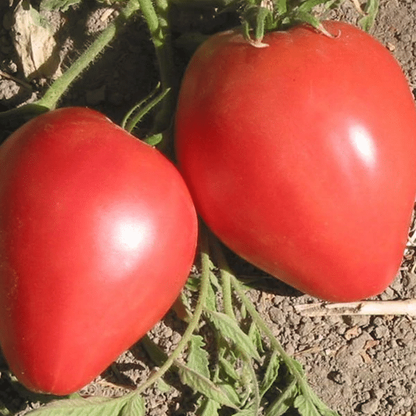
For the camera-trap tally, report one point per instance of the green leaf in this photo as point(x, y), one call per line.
point(230, 329)
point(193, 283)
point(284, 401)
point(305, 406)
point(306, 17)
point(94, 406)
point(311, 405)
point(228, 369)
point(333, 4)
point(134, 407)
point(211, 299)
point(226, 350)
point(156, 354)
point(4, 411)
point(297, 366)
point(251, 383)
point(205, 3)
point(255, 336)
point(231, 392)
point(243, 311)
point(226, 361)
point(198, 356)
point(205, 386)
point(272, 372)
point(37, 18)
point(307, 403)
point(371, 10)
point(248, 411)
point(163, 386)
point(308, 5)
point(214, 279)
point(209, 408)
point(248, 373)
point(60, 5)
point(281, 6)
point(154, 139)
point(322, 408)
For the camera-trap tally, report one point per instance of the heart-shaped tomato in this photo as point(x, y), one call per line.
point(97, 237)
point(300, 155)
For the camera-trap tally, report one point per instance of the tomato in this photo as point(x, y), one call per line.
point(300, 155)
point(97, 237)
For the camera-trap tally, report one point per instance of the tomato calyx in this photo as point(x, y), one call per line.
point(262, 16)
point(259, 19)
point(267, 16)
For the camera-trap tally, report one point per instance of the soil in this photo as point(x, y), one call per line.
point(359, 365)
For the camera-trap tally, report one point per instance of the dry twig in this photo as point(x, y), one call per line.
point(391, 307)
point(16, 80)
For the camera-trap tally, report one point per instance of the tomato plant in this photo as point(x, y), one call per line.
point(246, 369)
point(299, 155)
point(98, 234)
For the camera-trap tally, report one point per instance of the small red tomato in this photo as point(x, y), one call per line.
point(97, 237)
point(300, 155)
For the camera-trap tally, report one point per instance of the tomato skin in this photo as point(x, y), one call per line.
point(97, 237)
point(300, 155)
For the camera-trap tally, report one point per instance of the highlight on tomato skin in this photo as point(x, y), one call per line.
point(98, 234)
point(299, 156)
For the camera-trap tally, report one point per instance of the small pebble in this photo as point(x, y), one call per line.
point(370, 407)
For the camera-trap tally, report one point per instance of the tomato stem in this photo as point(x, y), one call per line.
point(132, 118)
point(58, 88)
point(158, 23)
point(292, 365)
point(225, 280)
point(25, 113)
point(194, 322)
point(225, 270)
point(261, 16)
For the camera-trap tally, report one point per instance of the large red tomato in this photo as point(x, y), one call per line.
point(97, 237)
point(300, 156)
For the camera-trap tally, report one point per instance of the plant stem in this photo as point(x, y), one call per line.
point(59, 86)
point(55, 92)
point(258, 320)
point(138, 106)
point(193, 324)
point(289, 361)
point(131, 124)
point(226, 286)
point(24, 113)
point(152, 21)
point(158, 24)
